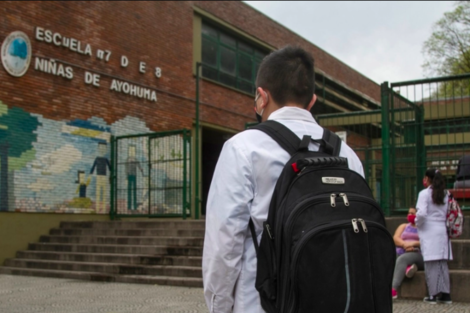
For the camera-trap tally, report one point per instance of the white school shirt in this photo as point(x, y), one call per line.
point(432, 230)
point(243, 182)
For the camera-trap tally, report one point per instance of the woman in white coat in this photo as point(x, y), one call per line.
point(435, 244)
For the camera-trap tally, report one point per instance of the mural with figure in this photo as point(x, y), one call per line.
point(58, 166)
point(101, 164)
point(150, 174)
point(82, 201)
point(132, 164)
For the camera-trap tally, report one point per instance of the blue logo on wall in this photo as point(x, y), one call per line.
point(16, 53)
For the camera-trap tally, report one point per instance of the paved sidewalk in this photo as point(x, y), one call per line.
point(20, 294)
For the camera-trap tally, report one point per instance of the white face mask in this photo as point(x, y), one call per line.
point(259, 116)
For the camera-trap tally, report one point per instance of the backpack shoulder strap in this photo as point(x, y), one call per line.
point(332, 142)
point(281, 134)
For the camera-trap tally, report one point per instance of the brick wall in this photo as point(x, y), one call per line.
point(51, 126)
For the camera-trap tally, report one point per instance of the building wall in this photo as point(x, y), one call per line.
point(269, 31)
point(53, 125)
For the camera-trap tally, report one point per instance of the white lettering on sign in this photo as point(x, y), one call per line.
point(103, 55)
point(133, 90)
point(40, 33)
point(58, 40)
point(51, 67)
point(124, 61)
point(92, 78)
point(48, 36)
point(158, 72)
point(142, 67)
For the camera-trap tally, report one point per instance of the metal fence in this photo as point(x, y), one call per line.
point(422, 124)
point(151, 175)
point(362, 132)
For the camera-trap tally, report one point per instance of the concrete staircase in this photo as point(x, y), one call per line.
point(459, 268)
point(160, 252)
point(169, 252)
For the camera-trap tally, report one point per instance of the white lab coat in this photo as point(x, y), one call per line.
point(243, 182)
point(431, 224)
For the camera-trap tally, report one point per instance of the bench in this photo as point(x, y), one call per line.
point(460, 194)
point(463, 197)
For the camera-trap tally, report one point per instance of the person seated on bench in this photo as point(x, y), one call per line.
point(409, 257)
point(463, 173)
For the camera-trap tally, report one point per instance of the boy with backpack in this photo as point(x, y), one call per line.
point(243, 188)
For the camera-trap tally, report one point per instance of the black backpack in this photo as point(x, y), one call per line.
point(324, 246)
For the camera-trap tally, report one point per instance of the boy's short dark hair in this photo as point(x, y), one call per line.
point(289, 76)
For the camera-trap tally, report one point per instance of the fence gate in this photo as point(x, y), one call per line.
point(422, 124)
point(151, 175)
point(403, 151)
point(442, 133)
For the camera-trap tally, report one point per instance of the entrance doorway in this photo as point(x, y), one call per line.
point(212, 143)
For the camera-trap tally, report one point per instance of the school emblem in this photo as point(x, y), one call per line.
point(16, 53)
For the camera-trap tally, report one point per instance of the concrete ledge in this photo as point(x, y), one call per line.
point(156, 280)
point(141, 259)
point(415, 288)
point(393, 222)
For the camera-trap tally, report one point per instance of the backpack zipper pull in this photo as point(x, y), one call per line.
point(354, 224)
point(345, 199)
point(332, 200)
point(363, 223)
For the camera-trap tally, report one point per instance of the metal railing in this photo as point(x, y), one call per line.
point(151, 175)
point(422, 124)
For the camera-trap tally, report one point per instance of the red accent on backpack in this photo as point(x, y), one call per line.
point(294, 166)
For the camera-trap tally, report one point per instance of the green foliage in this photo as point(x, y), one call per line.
point(17, 131)
point(447, 51)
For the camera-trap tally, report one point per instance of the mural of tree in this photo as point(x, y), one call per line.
point(16, 140)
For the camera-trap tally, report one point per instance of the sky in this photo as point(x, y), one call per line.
point(382, 40)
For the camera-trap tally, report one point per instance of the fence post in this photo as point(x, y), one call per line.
point(112, 213)
point(385, 192)
point(198, 200)
point(420, 146)
point(184, 174)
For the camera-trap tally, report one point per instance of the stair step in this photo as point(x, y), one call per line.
point(115, 240)
point(461, 253)
point(128, 232)
point(94, 276)
point(157, 224)
point(119, 249)
point(108, 268)
point(140, 259)
point(415, 288)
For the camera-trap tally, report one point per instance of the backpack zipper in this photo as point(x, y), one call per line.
point(317, 199)
point(317, 229)
point(309, 234)
point(323, 198)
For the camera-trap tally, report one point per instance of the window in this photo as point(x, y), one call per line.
point(229, 60)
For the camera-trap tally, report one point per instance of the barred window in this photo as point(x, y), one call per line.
point(229, 60)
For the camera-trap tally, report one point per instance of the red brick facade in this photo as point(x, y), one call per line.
point(159, 33)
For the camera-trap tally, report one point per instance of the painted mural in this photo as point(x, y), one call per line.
point(150, 175)
point(62, 166)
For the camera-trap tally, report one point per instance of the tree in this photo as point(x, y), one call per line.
point(17, 135)
point(447, 51)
